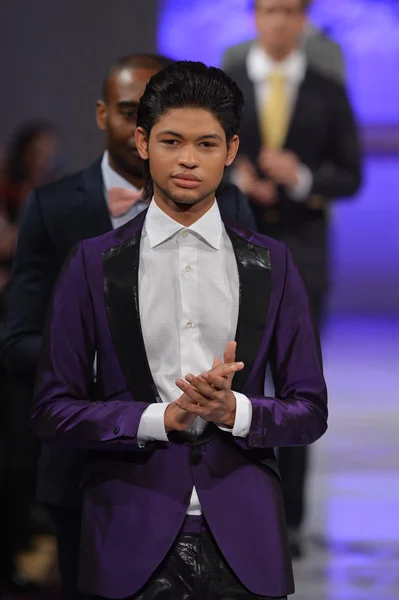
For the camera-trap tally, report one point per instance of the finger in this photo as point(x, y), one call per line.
point(204, 388)
point(225, 370)
point(230, 352)
point(221, 378)
point(192, 393)
point(216, 363)
point(190, 408)
point(206, 391)
point(218, 383)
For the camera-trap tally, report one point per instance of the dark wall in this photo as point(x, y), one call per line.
point(54, 54)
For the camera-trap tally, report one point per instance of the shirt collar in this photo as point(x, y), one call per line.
point(160, 227)
point(260, 65)
point(111, 178)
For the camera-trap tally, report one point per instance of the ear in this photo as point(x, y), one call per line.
point(142, 143)
point(101, 115)
point(232, 150)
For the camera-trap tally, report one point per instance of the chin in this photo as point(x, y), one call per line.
point(185, 201)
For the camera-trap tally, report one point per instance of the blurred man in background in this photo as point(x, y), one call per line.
point(31, 159)
point(81, 206)
point(299, 149)
point(323, 54)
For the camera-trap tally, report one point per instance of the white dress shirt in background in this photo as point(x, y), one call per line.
point(189, 302)
point(112, 179)
point(259, 67)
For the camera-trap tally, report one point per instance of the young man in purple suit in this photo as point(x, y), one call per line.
point(182, 496)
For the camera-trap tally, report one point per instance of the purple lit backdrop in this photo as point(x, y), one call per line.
point(365, 231)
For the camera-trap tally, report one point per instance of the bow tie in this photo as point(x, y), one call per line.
point(121, 201)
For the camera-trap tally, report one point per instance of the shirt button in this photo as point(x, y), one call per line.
point(185, 234)
point(188, 268)
point(189, 324)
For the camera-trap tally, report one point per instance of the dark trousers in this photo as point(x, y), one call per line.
point(294, 460)
point(67, 523)
point(195, 569)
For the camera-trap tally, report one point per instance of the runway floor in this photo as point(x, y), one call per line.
point(353, 521)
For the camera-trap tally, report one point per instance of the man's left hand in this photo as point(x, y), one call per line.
point(209, 395)
point(281, 166)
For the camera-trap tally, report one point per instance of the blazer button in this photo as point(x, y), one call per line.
point(195, 455)
point(116, 430)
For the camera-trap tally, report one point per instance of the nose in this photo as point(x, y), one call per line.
point(188, 157)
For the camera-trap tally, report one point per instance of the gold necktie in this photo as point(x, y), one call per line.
point(275, 112)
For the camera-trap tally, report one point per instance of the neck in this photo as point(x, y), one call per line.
point(136, 180)
point(186, 215)
point(278, 55)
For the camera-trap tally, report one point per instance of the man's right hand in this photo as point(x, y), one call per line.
point(260, 191)
point(263, 193)
point(177, 419)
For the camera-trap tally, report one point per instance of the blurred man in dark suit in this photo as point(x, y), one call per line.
point(299, 150)
point(323, 54)
point(81, 206)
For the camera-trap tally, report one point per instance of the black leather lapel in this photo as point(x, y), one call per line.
point(121, 291)
point(254, 271)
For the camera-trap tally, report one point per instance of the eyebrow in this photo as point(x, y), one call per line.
point(208, 136)
point(127, 103)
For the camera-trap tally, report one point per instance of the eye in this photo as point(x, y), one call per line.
point(208, 145)
point(170, 142)
point(129, 114)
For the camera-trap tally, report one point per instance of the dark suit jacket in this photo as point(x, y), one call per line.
point(56, 217)
point(324, 136)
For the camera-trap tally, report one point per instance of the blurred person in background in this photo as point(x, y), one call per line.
point(81, 206)
point(30, 159)
point(299, 149)
point(323, 54)
point(8, 236)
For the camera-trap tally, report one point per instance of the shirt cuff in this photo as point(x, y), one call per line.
point(243, 420)
point(152, 425)
point(300, 192)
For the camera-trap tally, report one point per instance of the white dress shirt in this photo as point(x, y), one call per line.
point(112, 179)
point(259, 67)
point(189, 302)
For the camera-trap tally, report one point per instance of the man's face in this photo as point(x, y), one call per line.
point(188, 153)
point(117, 115)
point(280, 24)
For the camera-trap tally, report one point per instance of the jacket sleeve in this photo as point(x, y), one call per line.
point(297, 415)
point(34, 274)
point(63, 413)
point(341, 174)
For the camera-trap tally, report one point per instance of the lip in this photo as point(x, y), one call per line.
point(186, 180)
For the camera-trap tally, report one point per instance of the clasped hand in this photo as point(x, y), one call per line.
point(207, 395)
